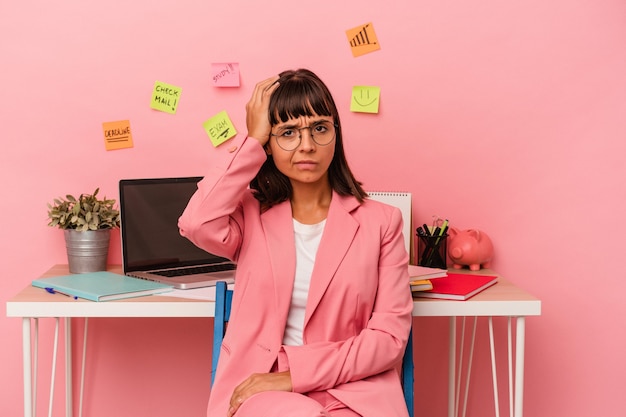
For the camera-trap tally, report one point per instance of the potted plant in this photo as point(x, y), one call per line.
point(87, 222)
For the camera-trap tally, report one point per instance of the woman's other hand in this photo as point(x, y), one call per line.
point(257, 110)
point(255, 383)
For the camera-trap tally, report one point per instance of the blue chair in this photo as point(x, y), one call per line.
point(408, 380)
point(223, 300)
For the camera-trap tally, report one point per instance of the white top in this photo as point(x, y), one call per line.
point(307, 239)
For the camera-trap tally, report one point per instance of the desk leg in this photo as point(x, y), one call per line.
point(520, 336)
point(452, 367)
point(68, 367)
point(494, 371)
point(28, 383)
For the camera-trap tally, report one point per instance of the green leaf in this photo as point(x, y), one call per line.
point(85, 213)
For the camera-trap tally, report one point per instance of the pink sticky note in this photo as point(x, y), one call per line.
point(225, 74)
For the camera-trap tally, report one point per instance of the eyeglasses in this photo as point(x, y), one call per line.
point(289, 137)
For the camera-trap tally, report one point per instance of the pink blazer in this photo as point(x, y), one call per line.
point(358, 312)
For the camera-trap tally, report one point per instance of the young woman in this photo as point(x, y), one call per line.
point(322, 308)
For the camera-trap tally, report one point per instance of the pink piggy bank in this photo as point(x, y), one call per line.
point(469, 247)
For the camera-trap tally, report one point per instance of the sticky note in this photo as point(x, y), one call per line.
point(219, 128)
point(165, 97)
point(362, 39)
point(225, 74)
point(117, 135)
point(365, 99)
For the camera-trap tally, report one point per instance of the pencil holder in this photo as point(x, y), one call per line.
point(432, 251)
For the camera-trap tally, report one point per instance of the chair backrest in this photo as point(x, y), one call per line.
point(223, 300)
point(408, 379)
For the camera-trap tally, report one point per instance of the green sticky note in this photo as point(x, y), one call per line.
point(165, 97)
point(219, 128)
point(365, 99)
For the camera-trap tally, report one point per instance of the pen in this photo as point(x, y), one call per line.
point(426, 229)
point(53, 291)
point(439, 232)
point(444, 228)
point(429, 245)
point(442, 233)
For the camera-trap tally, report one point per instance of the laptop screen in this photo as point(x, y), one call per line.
point(150, 209)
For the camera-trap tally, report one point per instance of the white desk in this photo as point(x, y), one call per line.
point(500, 300)
point(503, 299)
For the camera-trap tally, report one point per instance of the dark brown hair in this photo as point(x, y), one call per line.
point(302, 93)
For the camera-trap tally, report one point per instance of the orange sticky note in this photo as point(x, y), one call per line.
point(117, 135)
point(362, 39)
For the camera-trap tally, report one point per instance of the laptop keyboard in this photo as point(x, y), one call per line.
point(195, 270)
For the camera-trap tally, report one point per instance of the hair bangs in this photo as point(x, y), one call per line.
point(299, 97)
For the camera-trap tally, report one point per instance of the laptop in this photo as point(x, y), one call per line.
point(152, 247)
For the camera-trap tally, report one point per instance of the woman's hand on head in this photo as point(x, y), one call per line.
point(255, 383)
point(257, 110)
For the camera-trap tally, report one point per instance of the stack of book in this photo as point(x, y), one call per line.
point(451, 286)
point(420, 277)
point(438, 283)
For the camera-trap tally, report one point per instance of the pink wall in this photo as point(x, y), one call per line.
point(505, 116)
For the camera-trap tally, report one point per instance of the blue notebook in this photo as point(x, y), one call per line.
point(101, 286)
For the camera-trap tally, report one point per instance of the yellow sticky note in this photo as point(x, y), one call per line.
point(365, 99)
point(219, 128)
point(362, 39)
point(117, 135)
point(165, 97)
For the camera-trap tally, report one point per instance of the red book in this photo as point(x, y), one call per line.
point(458, 286)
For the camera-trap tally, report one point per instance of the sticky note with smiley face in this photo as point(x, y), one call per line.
point(365, 99)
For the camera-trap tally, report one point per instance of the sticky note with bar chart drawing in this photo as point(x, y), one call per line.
point(362, 39)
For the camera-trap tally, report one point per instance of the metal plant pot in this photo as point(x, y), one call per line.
point(87, 251)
